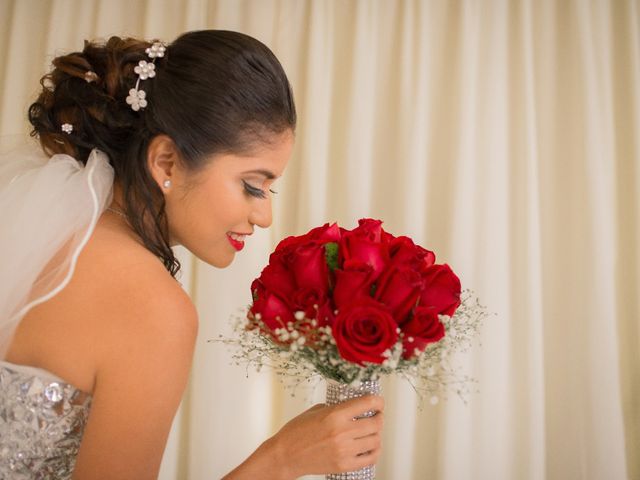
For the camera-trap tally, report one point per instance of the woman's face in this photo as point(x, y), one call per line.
point(212, 212)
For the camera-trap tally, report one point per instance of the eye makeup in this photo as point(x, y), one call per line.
point(253, 191)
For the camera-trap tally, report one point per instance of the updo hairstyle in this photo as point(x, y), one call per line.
point(215, 92)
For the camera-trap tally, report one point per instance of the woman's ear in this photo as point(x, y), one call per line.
point(163, 162)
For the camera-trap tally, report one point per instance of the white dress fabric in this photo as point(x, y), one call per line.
point(42, 420)
point(49, 208)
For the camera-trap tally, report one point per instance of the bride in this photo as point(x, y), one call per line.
point(147, 146)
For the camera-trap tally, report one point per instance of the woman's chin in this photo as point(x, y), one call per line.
point(214, 256)
point(219, 261)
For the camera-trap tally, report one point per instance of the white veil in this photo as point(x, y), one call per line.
point(48, 210)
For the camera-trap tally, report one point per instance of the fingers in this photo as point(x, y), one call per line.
point(363, 453)
point(364, 445)
point(366, 459)
point(355, 407)
point(344, 416)
point(368, 426)
point(338, 443)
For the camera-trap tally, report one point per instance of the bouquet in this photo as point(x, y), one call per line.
point(354, 305)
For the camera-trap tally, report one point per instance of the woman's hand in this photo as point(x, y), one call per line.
point(327, 439)
point(323, 439)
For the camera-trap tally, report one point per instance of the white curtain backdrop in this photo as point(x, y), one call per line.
point(503, 135)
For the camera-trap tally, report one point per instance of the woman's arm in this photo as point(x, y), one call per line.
point(143, 362)
point(321, 440)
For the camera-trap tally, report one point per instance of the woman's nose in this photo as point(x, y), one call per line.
point(261, 214)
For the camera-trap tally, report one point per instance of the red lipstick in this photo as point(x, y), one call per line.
point(236, 244)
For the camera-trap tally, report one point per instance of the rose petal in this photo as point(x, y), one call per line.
point(442, 290)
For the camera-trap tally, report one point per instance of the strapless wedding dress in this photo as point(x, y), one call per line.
point(42, 419)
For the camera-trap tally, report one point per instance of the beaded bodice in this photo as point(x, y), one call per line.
point(42, 419)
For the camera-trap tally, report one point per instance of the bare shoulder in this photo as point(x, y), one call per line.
point(145, 327)
point(120, 307)
point(136, 301)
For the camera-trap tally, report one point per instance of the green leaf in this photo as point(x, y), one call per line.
point(331, 254)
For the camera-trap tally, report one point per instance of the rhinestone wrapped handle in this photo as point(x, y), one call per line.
point(341, 392)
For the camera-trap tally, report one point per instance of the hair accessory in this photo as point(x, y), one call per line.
point(166, 183)
point(156, 50)
point(137, 99)
point(144, 70)
point(67, 128)
point(90, 76)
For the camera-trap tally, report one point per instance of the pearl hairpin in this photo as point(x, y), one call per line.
point(90, 76)
point(67, 128)
point(137, 99)
point(144, 70)
point(156, 50)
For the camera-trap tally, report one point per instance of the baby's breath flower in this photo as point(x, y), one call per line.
point(303, 350)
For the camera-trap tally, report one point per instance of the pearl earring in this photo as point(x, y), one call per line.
point(166, 184)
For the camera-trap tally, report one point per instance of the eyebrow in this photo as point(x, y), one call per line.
point(269, 175)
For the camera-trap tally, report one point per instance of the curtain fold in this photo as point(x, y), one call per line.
point(503, 135)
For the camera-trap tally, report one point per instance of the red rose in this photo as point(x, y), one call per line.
point(278, 278)
point(324, 234)
point(369, 229)
point(308, 300)
point(352, 282)
point(309, 267)
point(299, 278)
point(274, 312)
point(399, 289)
point(363, 331)
point(423, 328)
point(386, 237)
point(325, 315)
point(363, 244)
point(442, 290)
point(317, 314)
point(403, 250)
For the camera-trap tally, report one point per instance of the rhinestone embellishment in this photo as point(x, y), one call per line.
point(41, 425)
point(341, 392)
point(53, 392)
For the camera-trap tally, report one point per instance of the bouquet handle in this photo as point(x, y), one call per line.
point(340, 392)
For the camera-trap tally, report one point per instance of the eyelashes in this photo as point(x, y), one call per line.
point(255, 192)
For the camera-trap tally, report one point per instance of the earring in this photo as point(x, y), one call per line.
point(166, 183)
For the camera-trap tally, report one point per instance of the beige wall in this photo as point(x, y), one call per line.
point(501, 134)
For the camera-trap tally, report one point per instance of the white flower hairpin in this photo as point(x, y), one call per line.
point(144, 70)
point(156, 50)
point(136, 99)
point(90, 76)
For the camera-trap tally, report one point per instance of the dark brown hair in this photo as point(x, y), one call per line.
point(214, 92)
